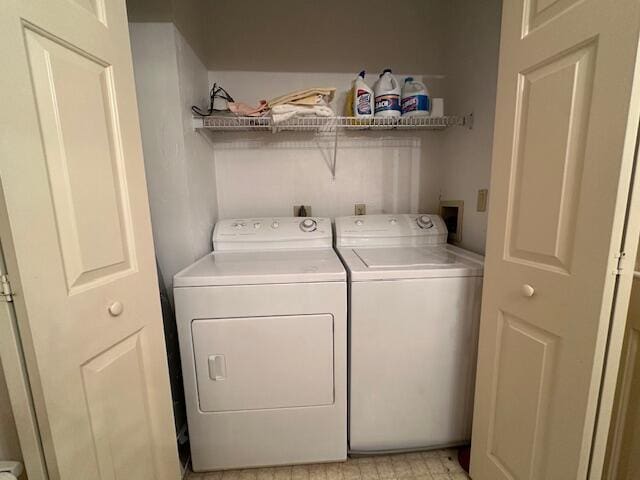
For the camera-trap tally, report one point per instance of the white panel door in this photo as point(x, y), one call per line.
point(78, 242)
point(566, 119)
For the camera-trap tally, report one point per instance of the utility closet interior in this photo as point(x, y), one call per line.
point(258, 50)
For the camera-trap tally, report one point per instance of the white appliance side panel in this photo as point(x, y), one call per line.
point(413, 357)
point(278, 436)
point(264, 362)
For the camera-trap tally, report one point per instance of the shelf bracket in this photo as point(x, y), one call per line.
point(467, 121)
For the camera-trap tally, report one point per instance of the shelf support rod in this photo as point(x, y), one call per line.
point(335, 155)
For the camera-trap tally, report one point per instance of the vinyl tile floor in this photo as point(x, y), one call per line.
point(431, 465)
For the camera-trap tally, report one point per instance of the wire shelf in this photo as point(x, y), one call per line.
point(328, 124)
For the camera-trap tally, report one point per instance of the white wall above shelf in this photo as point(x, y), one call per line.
point(328, 125)
point(222, 123)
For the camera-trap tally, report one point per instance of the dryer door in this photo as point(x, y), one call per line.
point(264, 362)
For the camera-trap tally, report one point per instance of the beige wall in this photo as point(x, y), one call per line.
point(262, 49)
point(305, 36)
point(258, 49)
point(453, 45)
point(328, 36)
point(9, 446)
point(261, 174)
point(149, 10)
point(191, 17)
point(178, 161)
point(470, 86)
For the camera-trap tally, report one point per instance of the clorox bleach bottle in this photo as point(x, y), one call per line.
point(415, 99)
point(361, 97)
point(387, 94)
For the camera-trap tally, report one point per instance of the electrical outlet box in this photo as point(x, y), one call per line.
point(360, 209)
point(302, 210)
point(451, 212)
point(482, 200)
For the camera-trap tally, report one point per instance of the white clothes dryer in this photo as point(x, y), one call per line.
point(262, 331)
point(414, 307)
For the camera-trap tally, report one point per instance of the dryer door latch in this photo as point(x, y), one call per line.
point(217, 367)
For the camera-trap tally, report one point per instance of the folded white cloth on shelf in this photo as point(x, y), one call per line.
point(308, 96)
point(282, 113)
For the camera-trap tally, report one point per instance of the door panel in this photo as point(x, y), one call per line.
point(562, 160)
point(78, 241)
point(84, 165)
point(539, 12)
point(96, 7)
point(552, 113)
point(527, 415)
point(116, 397)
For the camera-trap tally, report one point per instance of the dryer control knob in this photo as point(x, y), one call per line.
point(359, 222)
point(308, 225)
point(424, 221)
point(275, 224)
point(393, 221)
point(257, 225)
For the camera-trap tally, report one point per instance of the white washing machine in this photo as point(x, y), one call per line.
point(414, 307)
point(262, 330)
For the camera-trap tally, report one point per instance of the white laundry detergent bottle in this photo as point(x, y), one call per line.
point(387, 94)
point(415, 98)
point(361, 98)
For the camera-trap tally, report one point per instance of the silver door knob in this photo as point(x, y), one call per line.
point(116, 308)
point(528, 290)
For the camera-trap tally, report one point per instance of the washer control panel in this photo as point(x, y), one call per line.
point(272, 233)
point(393, 229)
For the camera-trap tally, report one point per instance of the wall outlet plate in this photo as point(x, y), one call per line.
point(297, 211)
point(360, 209)
point(482, 200)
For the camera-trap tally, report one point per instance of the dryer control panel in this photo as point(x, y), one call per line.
point(272, 233)
point(392, 229)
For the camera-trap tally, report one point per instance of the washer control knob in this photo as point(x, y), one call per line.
point(275, 224)
point(359, 222)
point(308, 225)
point(257, 225)
point(238, 225)
point(393, 221)
point(424, 221)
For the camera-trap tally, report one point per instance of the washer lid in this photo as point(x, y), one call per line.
point(392, 263)
point(255, 268)
point(406, 257)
